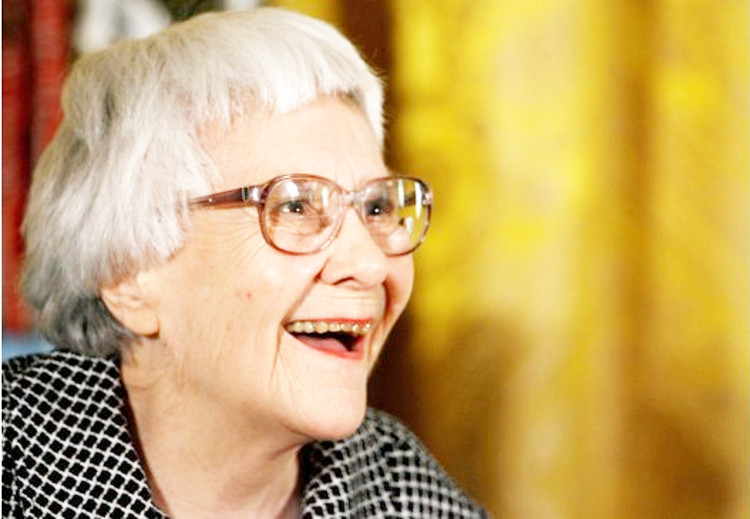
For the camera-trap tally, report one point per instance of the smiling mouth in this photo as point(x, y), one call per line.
point(337, 337)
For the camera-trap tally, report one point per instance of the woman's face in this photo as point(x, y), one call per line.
point(226, 301)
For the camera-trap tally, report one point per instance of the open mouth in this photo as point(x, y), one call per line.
point(331, 336)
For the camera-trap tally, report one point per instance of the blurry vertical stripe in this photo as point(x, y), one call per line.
point(50, 44)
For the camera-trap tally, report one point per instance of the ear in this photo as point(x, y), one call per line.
point(127, 302)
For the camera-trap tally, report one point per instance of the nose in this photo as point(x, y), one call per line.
point(354, 257)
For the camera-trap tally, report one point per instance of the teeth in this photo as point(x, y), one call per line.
point(296, 327)
point(322, 327)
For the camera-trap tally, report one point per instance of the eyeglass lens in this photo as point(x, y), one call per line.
point(303, 214)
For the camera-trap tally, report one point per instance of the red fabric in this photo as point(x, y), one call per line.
point(49, 51)
point(35, 58)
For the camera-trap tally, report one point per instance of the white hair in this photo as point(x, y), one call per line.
point(109, 195)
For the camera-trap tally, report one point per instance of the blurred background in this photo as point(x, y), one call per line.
point(577, 343)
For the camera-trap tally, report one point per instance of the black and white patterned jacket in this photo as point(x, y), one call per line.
point(67, 452)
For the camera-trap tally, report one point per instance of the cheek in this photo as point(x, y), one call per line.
point(406, 276)
point(399, 285)
point(279, 281)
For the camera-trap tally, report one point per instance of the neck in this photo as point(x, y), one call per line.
point(202, 458)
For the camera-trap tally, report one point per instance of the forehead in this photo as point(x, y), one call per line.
point(329, 137)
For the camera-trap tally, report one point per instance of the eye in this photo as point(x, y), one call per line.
point(297, 217)
point(297, 207)
point(378, 207)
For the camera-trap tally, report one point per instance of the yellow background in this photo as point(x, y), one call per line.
point(577, 344)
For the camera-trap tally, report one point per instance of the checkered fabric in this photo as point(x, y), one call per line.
point(67, 452)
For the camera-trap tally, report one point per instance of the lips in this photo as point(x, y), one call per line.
point(342, 338)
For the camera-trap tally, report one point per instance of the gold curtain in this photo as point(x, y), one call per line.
point(580, 324)
point(577, 344)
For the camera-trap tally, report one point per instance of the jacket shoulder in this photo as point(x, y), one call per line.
point(67, 451)
point(16, 367)
point(58, 370)
point(41, 390)
point(419, 483)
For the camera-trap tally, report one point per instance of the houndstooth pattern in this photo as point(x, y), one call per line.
point(67, 452)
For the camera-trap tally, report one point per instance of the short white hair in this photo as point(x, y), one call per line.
point(109, 195)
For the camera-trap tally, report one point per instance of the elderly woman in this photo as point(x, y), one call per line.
point(219, 252)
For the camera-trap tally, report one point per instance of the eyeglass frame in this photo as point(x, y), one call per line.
point(256, 196)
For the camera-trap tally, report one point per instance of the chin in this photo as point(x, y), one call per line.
point(335, 420)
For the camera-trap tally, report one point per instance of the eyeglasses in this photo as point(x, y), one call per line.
point(302, 214)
